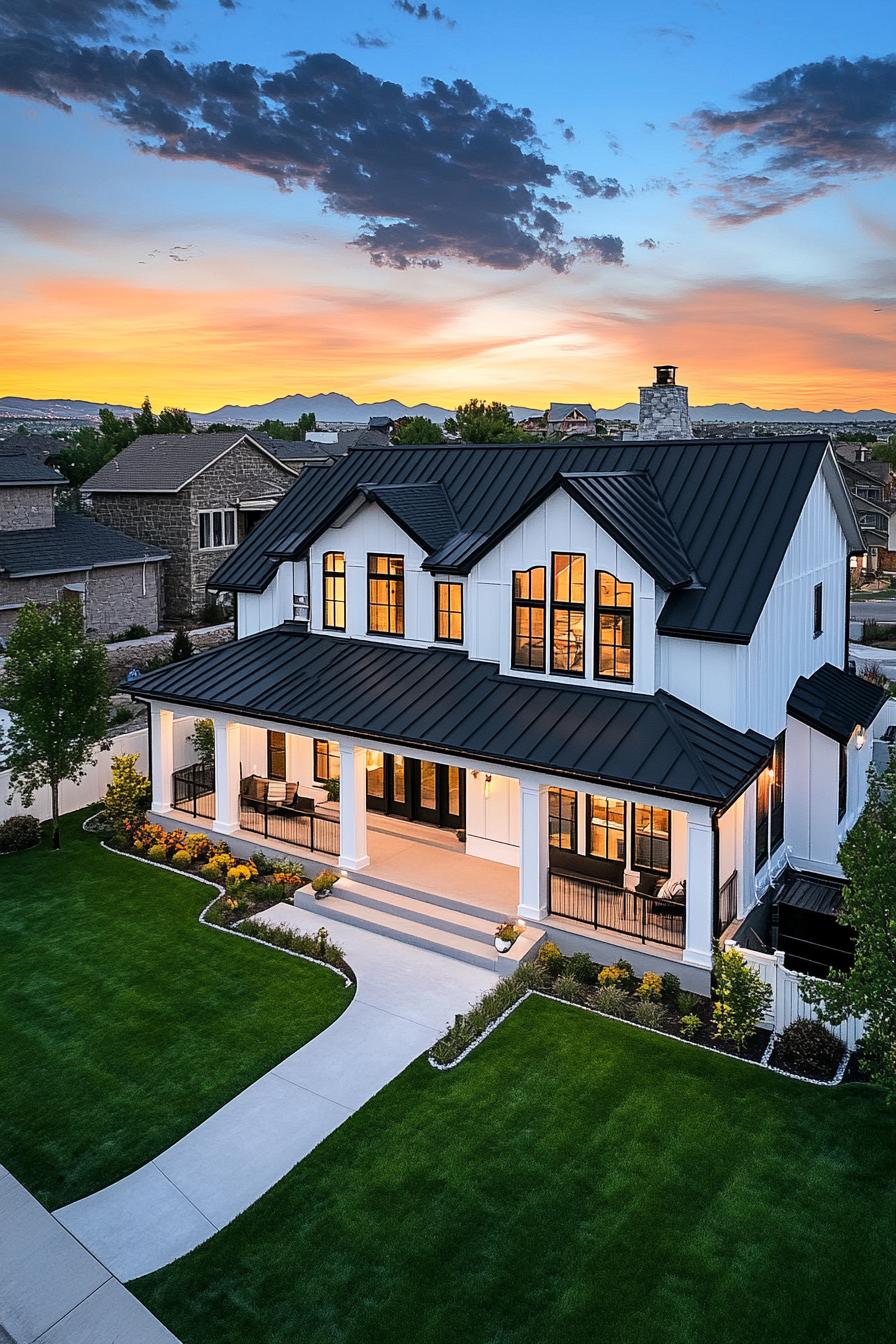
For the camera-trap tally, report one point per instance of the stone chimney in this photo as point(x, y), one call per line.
point(664, 410)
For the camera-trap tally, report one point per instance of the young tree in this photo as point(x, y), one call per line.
point(173, 420)
point(55, 686)
point(868, 858)
point(885, 452)
point(480, 422)
point(144, 420)
point(181, 646)
point(89, 449)
point(417, 429)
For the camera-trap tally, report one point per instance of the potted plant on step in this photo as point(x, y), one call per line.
point(324, 883)
point(506, 934)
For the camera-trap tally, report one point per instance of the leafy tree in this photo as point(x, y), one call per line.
point(173, 420)
point(480, 422)
point(886, 452)
point(857, 436)
point(55, 686)
point(417, 429)
point(868, 858)
point(88, 449)
point(144, 420)
point(294, 433)
point(181, 646)
point(203, 739)
point(127, 796)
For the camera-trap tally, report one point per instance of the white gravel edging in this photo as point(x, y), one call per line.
point(250, 938)
point(553, 998)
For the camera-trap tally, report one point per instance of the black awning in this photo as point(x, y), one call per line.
point(836, 702)
point(804, 891)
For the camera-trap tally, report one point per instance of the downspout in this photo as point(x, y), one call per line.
point(714, 820)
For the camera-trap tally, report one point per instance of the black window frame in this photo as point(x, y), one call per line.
point(818, 611)
point(842, 782)
point(395, 600)
point(652, 839)
point(557, 798)
point(776, 795)
point(447, 611)
point(336, 577)
point(616, 611)
point(327, 744)
point(763, 803)
point(605, 825)
point(276, 750)
point(529, 604)
point(570, 608)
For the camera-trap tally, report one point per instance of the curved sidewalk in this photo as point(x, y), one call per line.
point(405, 998)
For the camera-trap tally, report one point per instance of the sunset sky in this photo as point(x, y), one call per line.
point(222, 201)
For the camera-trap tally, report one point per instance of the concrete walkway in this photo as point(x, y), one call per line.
point(405, 998)
point(53, 1291)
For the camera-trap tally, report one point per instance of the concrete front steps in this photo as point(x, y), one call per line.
point(419, 920)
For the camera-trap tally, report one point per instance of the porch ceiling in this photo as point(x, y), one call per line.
point(442, 700)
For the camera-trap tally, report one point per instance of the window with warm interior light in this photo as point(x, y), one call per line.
point(613, 610)
point(334, 590)
point(606, 828)
point(776, 794)
point(651, 838)
point(385, 594)
point(763, 787)
point(326, 760)
point(528, 650)
point(562, 828)
point(449, 612)
point(568, 614)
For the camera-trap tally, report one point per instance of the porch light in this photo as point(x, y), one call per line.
point(860, 738)
point(487, 788)
point(771, 774)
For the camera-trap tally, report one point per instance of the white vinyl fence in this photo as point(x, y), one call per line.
point(89, 790)
point(788, 1003)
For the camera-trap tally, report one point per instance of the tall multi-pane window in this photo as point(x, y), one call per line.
point(568, 614)
point(528, 649)
point(606, 828)
point(449, 612)
point(276, 755)
point(651, 833)
point(763, 786)
point(562, 829)
point(818, 610)
point(385, 594)
point(326, 760)
point(842, 783)
point(613, 621)
point(334, 590)
point(776, 794)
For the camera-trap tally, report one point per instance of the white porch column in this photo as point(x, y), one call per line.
point(161, 736)
point(699, 907)
point(352, 808)
point(533, 851)
point(227, 776)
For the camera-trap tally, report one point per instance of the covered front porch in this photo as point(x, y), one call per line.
point(634, 872)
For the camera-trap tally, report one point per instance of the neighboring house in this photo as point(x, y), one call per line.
point(598, 687)
point(383, 424)
point(196, 495)
point(566, 417)
point(46, 554)
point(868, 481)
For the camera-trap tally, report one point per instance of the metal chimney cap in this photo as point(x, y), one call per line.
point(665, 375)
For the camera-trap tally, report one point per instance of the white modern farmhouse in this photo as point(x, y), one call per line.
point(600, 687)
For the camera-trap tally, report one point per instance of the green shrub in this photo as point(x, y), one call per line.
point(134, 632)
point(127, 796)
point(687, 1002)
point(468, 1026)
point(671, 987)
point(568, 987)
point(182, 858)
point(210, 872)
point(551, 958)
point(324, 882)
point(689, 1025)
point(181, 646)
point(648, 1013)
point(203, 739)
point(19, 832)
point(332, 788)
point(582, 968)
point(612, 1000)
point(807, 1047)
point(741, 998)
point(263, 865)
point(317, 945)
point(158, 853)
point(529, 975)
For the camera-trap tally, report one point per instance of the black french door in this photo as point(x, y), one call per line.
point(419, 790)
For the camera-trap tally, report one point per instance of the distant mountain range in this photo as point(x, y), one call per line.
point(329, 406)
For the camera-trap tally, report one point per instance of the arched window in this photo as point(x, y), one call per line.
point(334, 590)
point(528, 619)
point(613, 611)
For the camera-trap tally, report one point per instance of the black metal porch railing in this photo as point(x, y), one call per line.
point(605, 906)
point(193, 790)
point(307, 830)
point(727, 903)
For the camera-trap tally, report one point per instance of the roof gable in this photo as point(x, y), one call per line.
point(423, 511)
point(165, 463)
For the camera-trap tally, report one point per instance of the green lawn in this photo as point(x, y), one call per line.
point(123, 1021)
point(572, 1180)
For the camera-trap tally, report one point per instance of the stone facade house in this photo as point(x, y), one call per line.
point(47, 553)
point(197, 495)
point(578, 418)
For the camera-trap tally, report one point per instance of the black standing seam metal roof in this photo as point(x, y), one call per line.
point(807, 892)
point(443, 700)
point(733, 505)
point(835, 702)
point(626, 505)
point(424, 510)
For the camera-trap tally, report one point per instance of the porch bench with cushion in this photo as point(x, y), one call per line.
point(263, 795)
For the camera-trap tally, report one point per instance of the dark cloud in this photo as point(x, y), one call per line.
point(366, 40)
point(802, 132)
point(76, 18)
point(227, 4)
point(568, 132)
point(604, 248)
point(586, 184)
point(424, 12)
point(650, 243)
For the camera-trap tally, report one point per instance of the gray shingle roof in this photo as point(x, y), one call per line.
point(835, 701)
point(163, 463)
point(75, 542)
point(294, 450)
point(559, 409)
point(20, 467)
point(440, 698)
point(732, 504)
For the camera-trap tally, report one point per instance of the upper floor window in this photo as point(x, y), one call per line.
point(334, 590)
point(842, 782)
point(326, 760)
point(449, 612)
point(217, 529)
point(562, 821)
point(818, 610)
point(276, 755)
point(651, 839)
point(606, 829)
point(528, 649)
point(385, 594)
point(776, 794)
point(762, 801)
point(568, 614)
point(613, 618)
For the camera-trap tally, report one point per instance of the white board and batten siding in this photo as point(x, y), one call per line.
point(788, 1002)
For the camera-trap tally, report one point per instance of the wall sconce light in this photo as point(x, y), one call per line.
point(771, 774)
point(474, 774)
point(860, 739)
point(488, 782)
